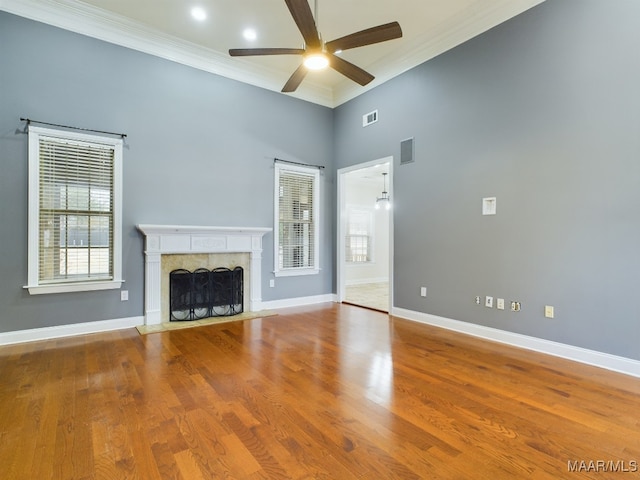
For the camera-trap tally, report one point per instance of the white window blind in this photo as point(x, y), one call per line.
point(296, 217)
point(73, 210)
point(358, 241)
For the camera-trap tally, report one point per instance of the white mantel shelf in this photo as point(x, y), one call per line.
point(200, 229)
point(189, 239)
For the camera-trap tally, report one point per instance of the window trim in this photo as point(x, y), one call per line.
point(33, 235)
point(290, 272)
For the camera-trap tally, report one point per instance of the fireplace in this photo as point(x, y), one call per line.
point(205, 293)
point(171, 247)
point(196, 261)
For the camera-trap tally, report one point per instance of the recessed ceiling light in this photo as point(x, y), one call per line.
point(249, 34)
point(199, 13)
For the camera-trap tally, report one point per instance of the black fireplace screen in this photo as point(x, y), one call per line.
point(205, 293)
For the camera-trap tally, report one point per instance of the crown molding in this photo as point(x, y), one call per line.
point(93, 22)
point(87, 20)
point(467, 24)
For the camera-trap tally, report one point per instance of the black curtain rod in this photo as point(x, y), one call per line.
point(29, 121)
point(298, 163)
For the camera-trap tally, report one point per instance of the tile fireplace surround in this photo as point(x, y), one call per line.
point(190, 240)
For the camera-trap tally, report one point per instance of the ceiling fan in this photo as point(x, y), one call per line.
point(318, 54)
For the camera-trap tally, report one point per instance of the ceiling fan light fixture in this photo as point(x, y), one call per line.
point(316, 61)
point(316, 53)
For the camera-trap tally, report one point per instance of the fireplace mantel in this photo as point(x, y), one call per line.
point(184, 239)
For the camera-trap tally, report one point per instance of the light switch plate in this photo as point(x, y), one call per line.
point(489, 206)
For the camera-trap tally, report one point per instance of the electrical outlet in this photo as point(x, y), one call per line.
point(515, 306)
point(124, 295)
point(488, 302)
point(500, 303)
point(423, 291)
point(549, 311)
point(477, 300)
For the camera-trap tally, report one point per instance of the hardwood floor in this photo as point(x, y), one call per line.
point(324, 392)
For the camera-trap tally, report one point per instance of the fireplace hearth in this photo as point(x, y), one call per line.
point(205, 293)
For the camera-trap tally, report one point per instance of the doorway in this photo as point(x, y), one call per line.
point(365, 238)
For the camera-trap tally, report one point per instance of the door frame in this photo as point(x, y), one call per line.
point(342, 226)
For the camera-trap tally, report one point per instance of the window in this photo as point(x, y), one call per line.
point(296, 218)
point(358, 241)
point(74, 211)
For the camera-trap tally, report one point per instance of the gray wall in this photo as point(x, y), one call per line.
point(199, 151)
point(543, 113)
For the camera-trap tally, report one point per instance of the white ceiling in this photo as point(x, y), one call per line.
point(165, 28)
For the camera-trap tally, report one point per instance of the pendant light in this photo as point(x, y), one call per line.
point(384, 199)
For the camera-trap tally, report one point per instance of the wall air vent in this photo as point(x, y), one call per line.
point(370, 118)
point(406, 151)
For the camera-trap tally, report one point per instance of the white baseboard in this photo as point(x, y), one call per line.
point(47, 333)
point(590, 357)
point(299, 301)
point(364, 281)
point(615, 363)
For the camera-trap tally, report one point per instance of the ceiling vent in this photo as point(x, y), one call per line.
point(370, 118)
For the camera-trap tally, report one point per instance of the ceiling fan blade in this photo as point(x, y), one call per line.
point(381, 33)
point(301, 13)
point(246, 52)
point(295, 79)
point(349, 70)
